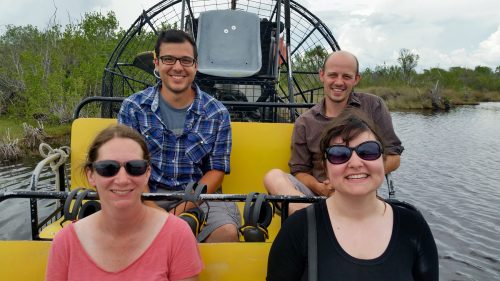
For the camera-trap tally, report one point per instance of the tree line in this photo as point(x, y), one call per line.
point(45, 73)
point(403, 88)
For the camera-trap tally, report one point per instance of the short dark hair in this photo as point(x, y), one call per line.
point(348, 125)
point(174, 36)
point(115, 131)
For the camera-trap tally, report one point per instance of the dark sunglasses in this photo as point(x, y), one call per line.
point(109, 168)
point(368, 150)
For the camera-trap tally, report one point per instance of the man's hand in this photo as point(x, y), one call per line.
point(325, 188)
point(213, 180)
point(391, 163)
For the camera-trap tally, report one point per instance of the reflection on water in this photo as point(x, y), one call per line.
point(450, 170)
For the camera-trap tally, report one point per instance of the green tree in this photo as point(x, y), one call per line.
point(408, 62)
point(311, 60)
point(383, 75)
point(46, 73)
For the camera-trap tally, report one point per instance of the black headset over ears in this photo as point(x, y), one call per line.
point(257, 217)
point(79, 210)
point(195, 217)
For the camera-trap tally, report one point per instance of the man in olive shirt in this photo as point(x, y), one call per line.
point(339, 75)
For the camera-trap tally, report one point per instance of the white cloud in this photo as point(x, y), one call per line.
point(488, 52)
point(128, 11)
point(40, 12)
point(444, 33)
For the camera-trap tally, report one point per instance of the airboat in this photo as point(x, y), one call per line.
point(259, 57)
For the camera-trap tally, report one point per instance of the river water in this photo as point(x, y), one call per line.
point(450, 170)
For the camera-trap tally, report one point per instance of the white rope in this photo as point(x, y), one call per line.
point(63, 153)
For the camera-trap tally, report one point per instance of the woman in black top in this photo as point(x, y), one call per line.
point(359, 235)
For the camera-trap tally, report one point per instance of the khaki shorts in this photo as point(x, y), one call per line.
point(300, 186)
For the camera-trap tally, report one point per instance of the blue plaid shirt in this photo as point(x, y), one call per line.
point(204, 145)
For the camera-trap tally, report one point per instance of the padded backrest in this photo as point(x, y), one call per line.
point(83, 131)
point(228, 43)
point(257, 148)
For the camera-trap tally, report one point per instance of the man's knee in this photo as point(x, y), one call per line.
point(272, 179)
point(224, 233)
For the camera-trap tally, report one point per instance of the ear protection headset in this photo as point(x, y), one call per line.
point(79, 211)
point(88, 208)
point(195, 217)
point(257, 216)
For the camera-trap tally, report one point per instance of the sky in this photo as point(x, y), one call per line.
point(444, 33)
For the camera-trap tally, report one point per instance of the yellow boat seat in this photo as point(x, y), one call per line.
point(256, 148)
point(27, 260)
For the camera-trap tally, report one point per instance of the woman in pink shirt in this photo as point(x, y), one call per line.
point(125, 240)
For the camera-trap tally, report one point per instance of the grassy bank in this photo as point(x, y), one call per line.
point(15, 126)
point(17, 142)
point(412, 98)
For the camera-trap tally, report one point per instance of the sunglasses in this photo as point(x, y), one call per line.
point(339, 154)
point(109, 168)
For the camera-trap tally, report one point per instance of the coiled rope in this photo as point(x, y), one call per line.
point(54, 158)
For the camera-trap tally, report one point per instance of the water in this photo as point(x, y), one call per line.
point(15, 213)
point(450, 170)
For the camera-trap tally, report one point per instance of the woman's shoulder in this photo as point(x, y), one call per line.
point(407, 215)
point(298, 220)
point(66, 238)
point(66, 232)
point(402, 206)
point(83, 227)
point(175, 226)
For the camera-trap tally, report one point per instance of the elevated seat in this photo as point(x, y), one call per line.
point(228, 43)
point(257, 148)
point(83, 131)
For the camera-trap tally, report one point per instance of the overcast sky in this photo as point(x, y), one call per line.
point(444, 33)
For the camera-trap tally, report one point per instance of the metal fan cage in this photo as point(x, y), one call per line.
point(267, 96)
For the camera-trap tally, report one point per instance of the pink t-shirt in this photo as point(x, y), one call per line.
point(173, 255)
